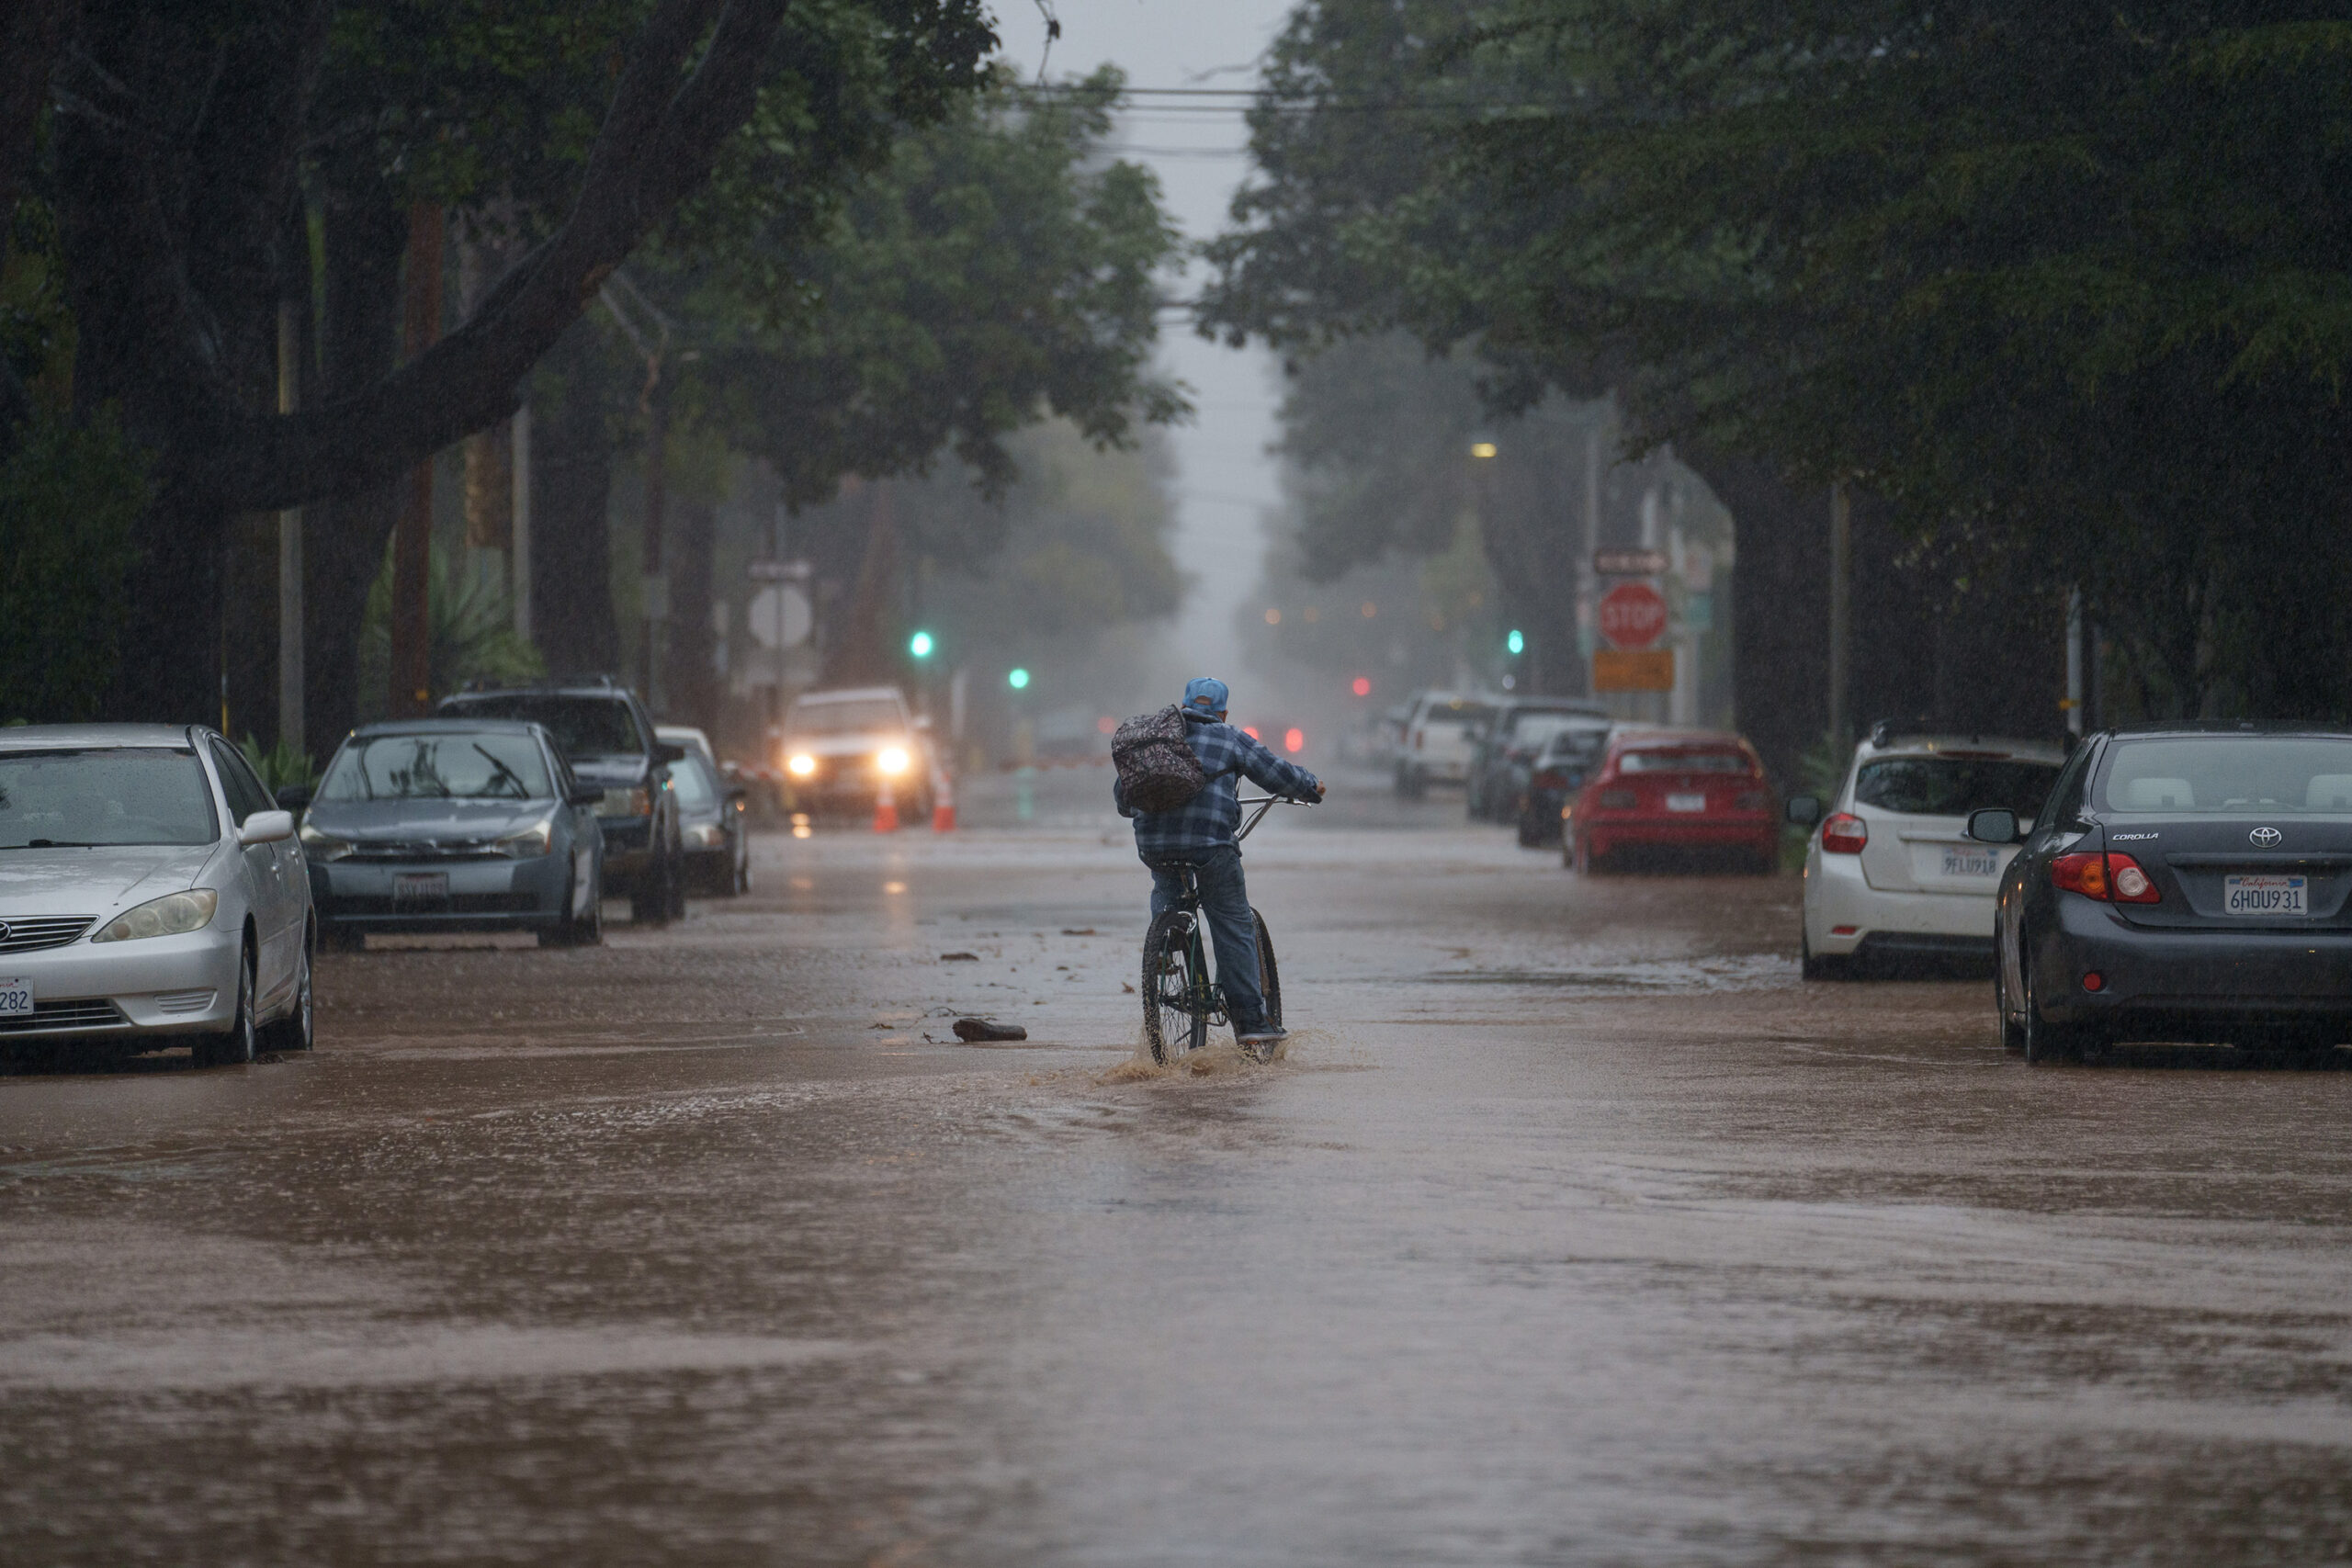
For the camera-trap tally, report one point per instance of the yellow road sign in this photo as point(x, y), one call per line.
point(1633, 669)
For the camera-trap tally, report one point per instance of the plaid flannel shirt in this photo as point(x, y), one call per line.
point(1212, 817)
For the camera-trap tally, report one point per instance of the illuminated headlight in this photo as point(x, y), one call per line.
point(802, 764)
point(636, 802)
point(891, 759)
point(322, 846)
point(530, 843)
point(174, 914)
point(705, 835)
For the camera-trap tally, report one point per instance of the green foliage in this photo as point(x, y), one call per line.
point(470, 634)
point(281, 765)
point(2066, 285)
point(68, 495)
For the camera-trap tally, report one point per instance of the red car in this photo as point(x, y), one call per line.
point(1680, 791)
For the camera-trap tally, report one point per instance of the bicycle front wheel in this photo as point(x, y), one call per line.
point(1175, 990)
point(1270, 979)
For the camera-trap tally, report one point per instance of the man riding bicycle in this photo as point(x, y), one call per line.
point(1200, 833)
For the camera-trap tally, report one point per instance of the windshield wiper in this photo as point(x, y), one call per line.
point(509, 775)
point(54, 844)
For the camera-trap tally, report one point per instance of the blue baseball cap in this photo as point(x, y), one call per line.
point(1203, 694)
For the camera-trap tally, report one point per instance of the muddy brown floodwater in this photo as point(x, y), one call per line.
point(1573, 1228)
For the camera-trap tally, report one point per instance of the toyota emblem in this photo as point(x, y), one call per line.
point(5, 932)
point(2267, 837)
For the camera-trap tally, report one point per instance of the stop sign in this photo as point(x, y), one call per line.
point(1632, 615)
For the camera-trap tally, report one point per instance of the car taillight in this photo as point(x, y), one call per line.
point(2110, 878)
point(1619, 800)
point(1844, 834)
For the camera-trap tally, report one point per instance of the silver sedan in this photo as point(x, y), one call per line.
point(150, 893)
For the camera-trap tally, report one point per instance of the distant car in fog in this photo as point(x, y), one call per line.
point(436, 825)
point(1503, 750)
point(711, 829)
point(1890, 871)
point(1437, 741)
point(1554, 777)
point(1692, 794)
point(842, 747)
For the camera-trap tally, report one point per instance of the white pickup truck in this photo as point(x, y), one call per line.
point(1436, 746)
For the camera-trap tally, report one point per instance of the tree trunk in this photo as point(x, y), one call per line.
point(571, 566)
point(693, 675)
point(366, 232)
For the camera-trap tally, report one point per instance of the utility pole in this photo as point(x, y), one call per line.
point(1841, 612)
point(413, 536)
point(653, 402)
point(518, 545)
point(1586, 632)
point(289, 550)
point(2073, 702)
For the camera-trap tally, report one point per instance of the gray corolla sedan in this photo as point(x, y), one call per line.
point(149, 892)
point(454, 824)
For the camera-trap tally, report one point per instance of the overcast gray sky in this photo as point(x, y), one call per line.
point(1226, 479)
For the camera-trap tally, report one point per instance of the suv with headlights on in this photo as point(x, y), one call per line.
point(841, 748)
point(607, 738)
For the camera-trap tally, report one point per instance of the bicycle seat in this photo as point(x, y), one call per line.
point(1179, 867)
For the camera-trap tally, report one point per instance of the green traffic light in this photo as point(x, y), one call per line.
point(919, 645)
point(1517, 643)
point(1017, 680)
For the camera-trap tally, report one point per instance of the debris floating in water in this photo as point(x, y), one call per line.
point(959, 958)
point(987, 1029)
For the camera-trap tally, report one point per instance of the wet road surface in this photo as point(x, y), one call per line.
point(1573, 1228)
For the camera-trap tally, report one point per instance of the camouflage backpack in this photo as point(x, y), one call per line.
point(1157, 768)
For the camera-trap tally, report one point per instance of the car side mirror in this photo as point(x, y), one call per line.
point(266, 828)
point(663, 753)
point(1804, 810)
point(1994, 825)
point(585, 795)
point(294, 797)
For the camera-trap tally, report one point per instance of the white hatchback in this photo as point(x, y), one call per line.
point(1890, 873)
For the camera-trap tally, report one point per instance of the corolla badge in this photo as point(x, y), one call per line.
point(2267, 837)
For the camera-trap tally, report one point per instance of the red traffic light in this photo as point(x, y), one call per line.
point(1363, 686)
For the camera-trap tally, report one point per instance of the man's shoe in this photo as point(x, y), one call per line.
point(1261, 1042)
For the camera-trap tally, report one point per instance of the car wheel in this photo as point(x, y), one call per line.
point(2012, 1031)
point(742, 864)
point(293, 1033)
point(237, 1045)
point(1411, 784)
point(678, 884)
point(1529, 838)
point(337, 937)
point(2045, 1040)
point(1821, 965)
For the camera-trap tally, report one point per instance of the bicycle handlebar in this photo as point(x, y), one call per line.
point(1264, 803)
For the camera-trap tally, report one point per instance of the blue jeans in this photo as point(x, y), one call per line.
point(1224, 898)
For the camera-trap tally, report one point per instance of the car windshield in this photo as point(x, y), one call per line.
point(1682, 760)
point(2229, 773)
point(582, 726)
point(1578, 742)
point(1953, 786)
point(437, 767)
point(845, 717)
point(698, 791)
point(118, 795)
point(1463, 714)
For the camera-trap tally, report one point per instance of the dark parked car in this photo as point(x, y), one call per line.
point(1553, 779)
point(453, 824)
point(710, 817)
point(607, 739)
point(1502, 751)
point(2180, 883)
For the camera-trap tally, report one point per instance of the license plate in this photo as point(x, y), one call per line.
point(2267, 895)
point(1695, 801)
point(16, 999)
point(1962, 862)
point(420, 888)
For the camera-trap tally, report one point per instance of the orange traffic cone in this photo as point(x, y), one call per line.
point(886, 812)
point(943, 804)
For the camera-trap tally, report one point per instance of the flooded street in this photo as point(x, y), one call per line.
point(1571, 1228)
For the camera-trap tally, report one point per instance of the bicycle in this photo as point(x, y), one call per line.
point(1181, 1000)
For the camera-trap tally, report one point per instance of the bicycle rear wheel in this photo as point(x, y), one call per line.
point(1270, 978)
point(1175, 991)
